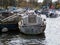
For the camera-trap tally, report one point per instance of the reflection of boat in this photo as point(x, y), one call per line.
point(32, 24)
point(8, 21)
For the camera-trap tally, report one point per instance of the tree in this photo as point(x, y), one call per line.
point(12, 3)
point(6, 3)
point(34, 3)
point(57, 5)
point(47, 3)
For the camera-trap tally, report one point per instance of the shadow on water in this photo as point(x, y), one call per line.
point(16, 35)
point(26, 36)
point(39, 36)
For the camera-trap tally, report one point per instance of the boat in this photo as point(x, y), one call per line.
point(32, 23)
point(52, 13)
point(8, 21)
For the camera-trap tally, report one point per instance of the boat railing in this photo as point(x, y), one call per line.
point(11, 19)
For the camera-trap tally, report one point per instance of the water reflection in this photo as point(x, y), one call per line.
point(16, 38)
point(51, 36)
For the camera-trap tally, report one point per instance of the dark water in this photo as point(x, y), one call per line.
point(50, 37)
point(17, 38)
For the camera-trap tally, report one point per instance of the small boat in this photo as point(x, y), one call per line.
point(32, 23)
point(8, 21)
point(52, 13)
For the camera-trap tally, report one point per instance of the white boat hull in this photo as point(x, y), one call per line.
point(35, 29)
point(32, 23)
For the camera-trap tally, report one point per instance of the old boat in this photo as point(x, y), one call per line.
point(8, 21)
point(32, 23)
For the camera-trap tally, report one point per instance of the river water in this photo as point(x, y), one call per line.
point(50, 37)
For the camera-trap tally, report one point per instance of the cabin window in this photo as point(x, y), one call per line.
point(32, 18)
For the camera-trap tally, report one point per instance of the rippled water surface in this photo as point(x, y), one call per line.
point(50, 37)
